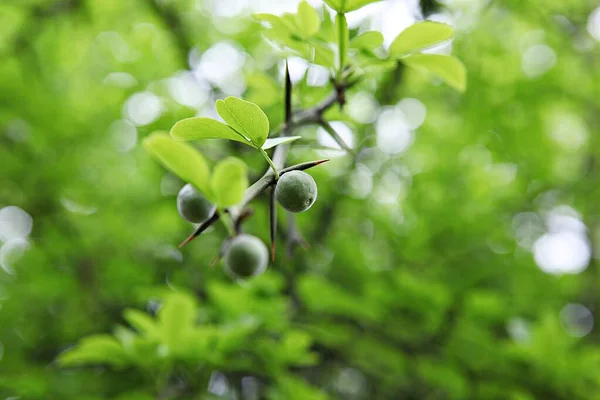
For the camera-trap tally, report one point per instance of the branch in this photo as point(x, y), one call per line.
point(338, 139)
point(250, 194)
point(313, 115)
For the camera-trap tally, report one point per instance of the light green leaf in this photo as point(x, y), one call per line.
point(205, 128)
point(246, 118)
point(420, 36)
point(277, 22)
point(308, 19)
point(323, 55)
point(353, 5)
point(449, 68)
point(337, 5)
point(327, 30)
point(180, 158)
point(142, 322)
point(277, 141)
point(367, 40)
point(229, 180)
point(341, 26)
point(95, 349)
point(176, 319)
point(348, 5)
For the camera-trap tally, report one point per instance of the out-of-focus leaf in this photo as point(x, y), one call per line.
point(246, 118)
point(420, 36)
point(327, 31)
point(348, 5)
point(142, 322)
point(449, 68)
point(272, 142)
point(176, 319)
point(180, 158)
point(322, 296)
point(307, 19)
point(95, 349)
point(228, 181)
point(296, 348)
point(367, 40)
point(290, 387)
point(205, 128)
point(324, 56)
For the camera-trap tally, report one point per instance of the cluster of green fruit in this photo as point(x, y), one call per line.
point(246, 255)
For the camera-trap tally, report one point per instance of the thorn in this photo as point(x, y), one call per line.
point(311, 164)
point(187, 240)
point(204, 226)
point(288, 94)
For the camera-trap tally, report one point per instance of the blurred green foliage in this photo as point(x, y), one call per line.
point(423, 278)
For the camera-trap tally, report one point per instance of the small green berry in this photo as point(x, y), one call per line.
point(296, 191)
point(246, 256)
point(192, 206)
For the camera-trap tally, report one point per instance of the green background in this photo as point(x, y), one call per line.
point(453, 261)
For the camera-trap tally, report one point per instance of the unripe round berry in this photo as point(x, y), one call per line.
point(192, 206)
point(246, 256)
point(296, 191)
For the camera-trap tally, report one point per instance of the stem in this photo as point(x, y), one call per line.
point(227, 224)
point(342, 31)
point(273, 167)
point(237, 212)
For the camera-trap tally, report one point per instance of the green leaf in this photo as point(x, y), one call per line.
point(420, 36)
point(95, 349)
point(205, 128)
point(327, 30)
point(180, 158)
point(269, 143)
point(337, 5)
point(281, 24)
point(323, 56)
point(246, 118)
point(342, 37)
point(229, 180)
point(142, 322)
point(291, 387)
point(308, 19)
point(176, 319)
point(367, 40)
point(449, 68)
point(343, 6)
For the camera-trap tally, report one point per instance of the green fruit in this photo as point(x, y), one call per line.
point(296, 191)
point(192, 206)
point(246, 256)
